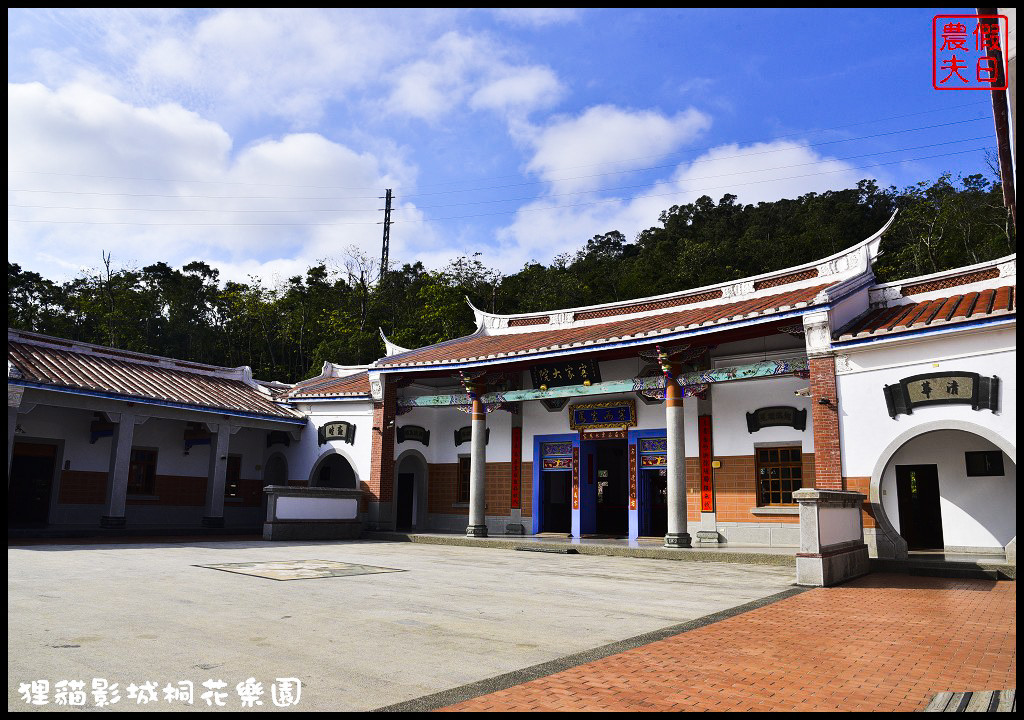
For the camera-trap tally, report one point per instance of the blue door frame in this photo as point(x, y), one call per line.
point(641, 511)
point(538, 504)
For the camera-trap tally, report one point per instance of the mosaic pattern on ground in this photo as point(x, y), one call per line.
point(299, 569)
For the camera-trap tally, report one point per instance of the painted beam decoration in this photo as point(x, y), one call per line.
point(946, 388)
point(653, 452)
point(556, 455)
point(465, 435)
point(776, 416)
point(573, 372)
point(337, 430)
point(788, 366)
point(413, 433)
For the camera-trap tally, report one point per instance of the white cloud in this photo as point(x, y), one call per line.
point(458, 67)
point(573, 153)
point(761, 172)
point(285, 62)
point(152, 184)
point(291, 64)
point(526, 88)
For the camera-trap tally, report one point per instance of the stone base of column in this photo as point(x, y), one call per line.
point(116, 523)
point(476, 531)
point(708, 537)
point(213, 522)
point(677, 540)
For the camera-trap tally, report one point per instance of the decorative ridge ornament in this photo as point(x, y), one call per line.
point(389, 347)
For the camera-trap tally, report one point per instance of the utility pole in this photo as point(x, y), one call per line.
point(387, 234)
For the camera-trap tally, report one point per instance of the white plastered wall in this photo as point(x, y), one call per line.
point(303, 455)
point(977, 512)
point(865, 426)
point(442, 423)
point(873, 443)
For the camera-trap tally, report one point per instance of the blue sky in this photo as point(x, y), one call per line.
point(260, 140)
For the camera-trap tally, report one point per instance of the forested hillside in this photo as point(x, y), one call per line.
point(286, 331)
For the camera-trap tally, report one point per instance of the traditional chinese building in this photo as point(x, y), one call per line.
point(98, 437)
point(691, 417)
point(694, 416)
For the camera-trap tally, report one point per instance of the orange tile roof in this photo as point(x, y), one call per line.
point(357, 384)
point(936, 312)
point(479, 346)
point(135, 376)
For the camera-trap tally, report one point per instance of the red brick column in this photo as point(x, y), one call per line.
point(828, 468)
point(380, 487)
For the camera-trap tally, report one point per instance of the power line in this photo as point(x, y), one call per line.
point(508, 185)
point(495, 177)
point(506, 212)
point(484, 202)
point(700, 160)
point(678, 192)
point(711, 177)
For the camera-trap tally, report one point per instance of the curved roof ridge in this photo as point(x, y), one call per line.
point(859, 256)
point(1006, 265)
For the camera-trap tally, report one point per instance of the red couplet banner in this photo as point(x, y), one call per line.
point(707, 494)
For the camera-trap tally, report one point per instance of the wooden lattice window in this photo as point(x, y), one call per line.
point(142, 472)
point(779, 475)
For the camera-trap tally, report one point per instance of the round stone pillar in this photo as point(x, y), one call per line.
point(478, 472)
point(677, 537)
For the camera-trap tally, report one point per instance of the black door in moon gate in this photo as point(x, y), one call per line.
point(405, 497)
point(917, 489)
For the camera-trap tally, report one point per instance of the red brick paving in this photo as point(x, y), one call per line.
point(881, 643)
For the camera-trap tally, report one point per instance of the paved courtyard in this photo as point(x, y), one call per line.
point(357, 638)
point(883, 643)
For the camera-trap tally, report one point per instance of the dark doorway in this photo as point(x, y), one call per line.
point(233, 477)
point(404, 498)
point(557, 492)
point(276, 472)
point(612, 471)
point(655, 494)
point(335, 472)
point(917, 488)
point(31, 483)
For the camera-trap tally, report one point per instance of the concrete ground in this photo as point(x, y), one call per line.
point(135, 613)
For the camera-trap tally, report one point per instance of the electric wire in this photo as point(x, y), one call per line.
point(507, 212)
point(484, 202)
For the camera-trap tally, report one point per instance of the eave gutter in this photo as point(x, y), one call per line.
point(893, 337)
